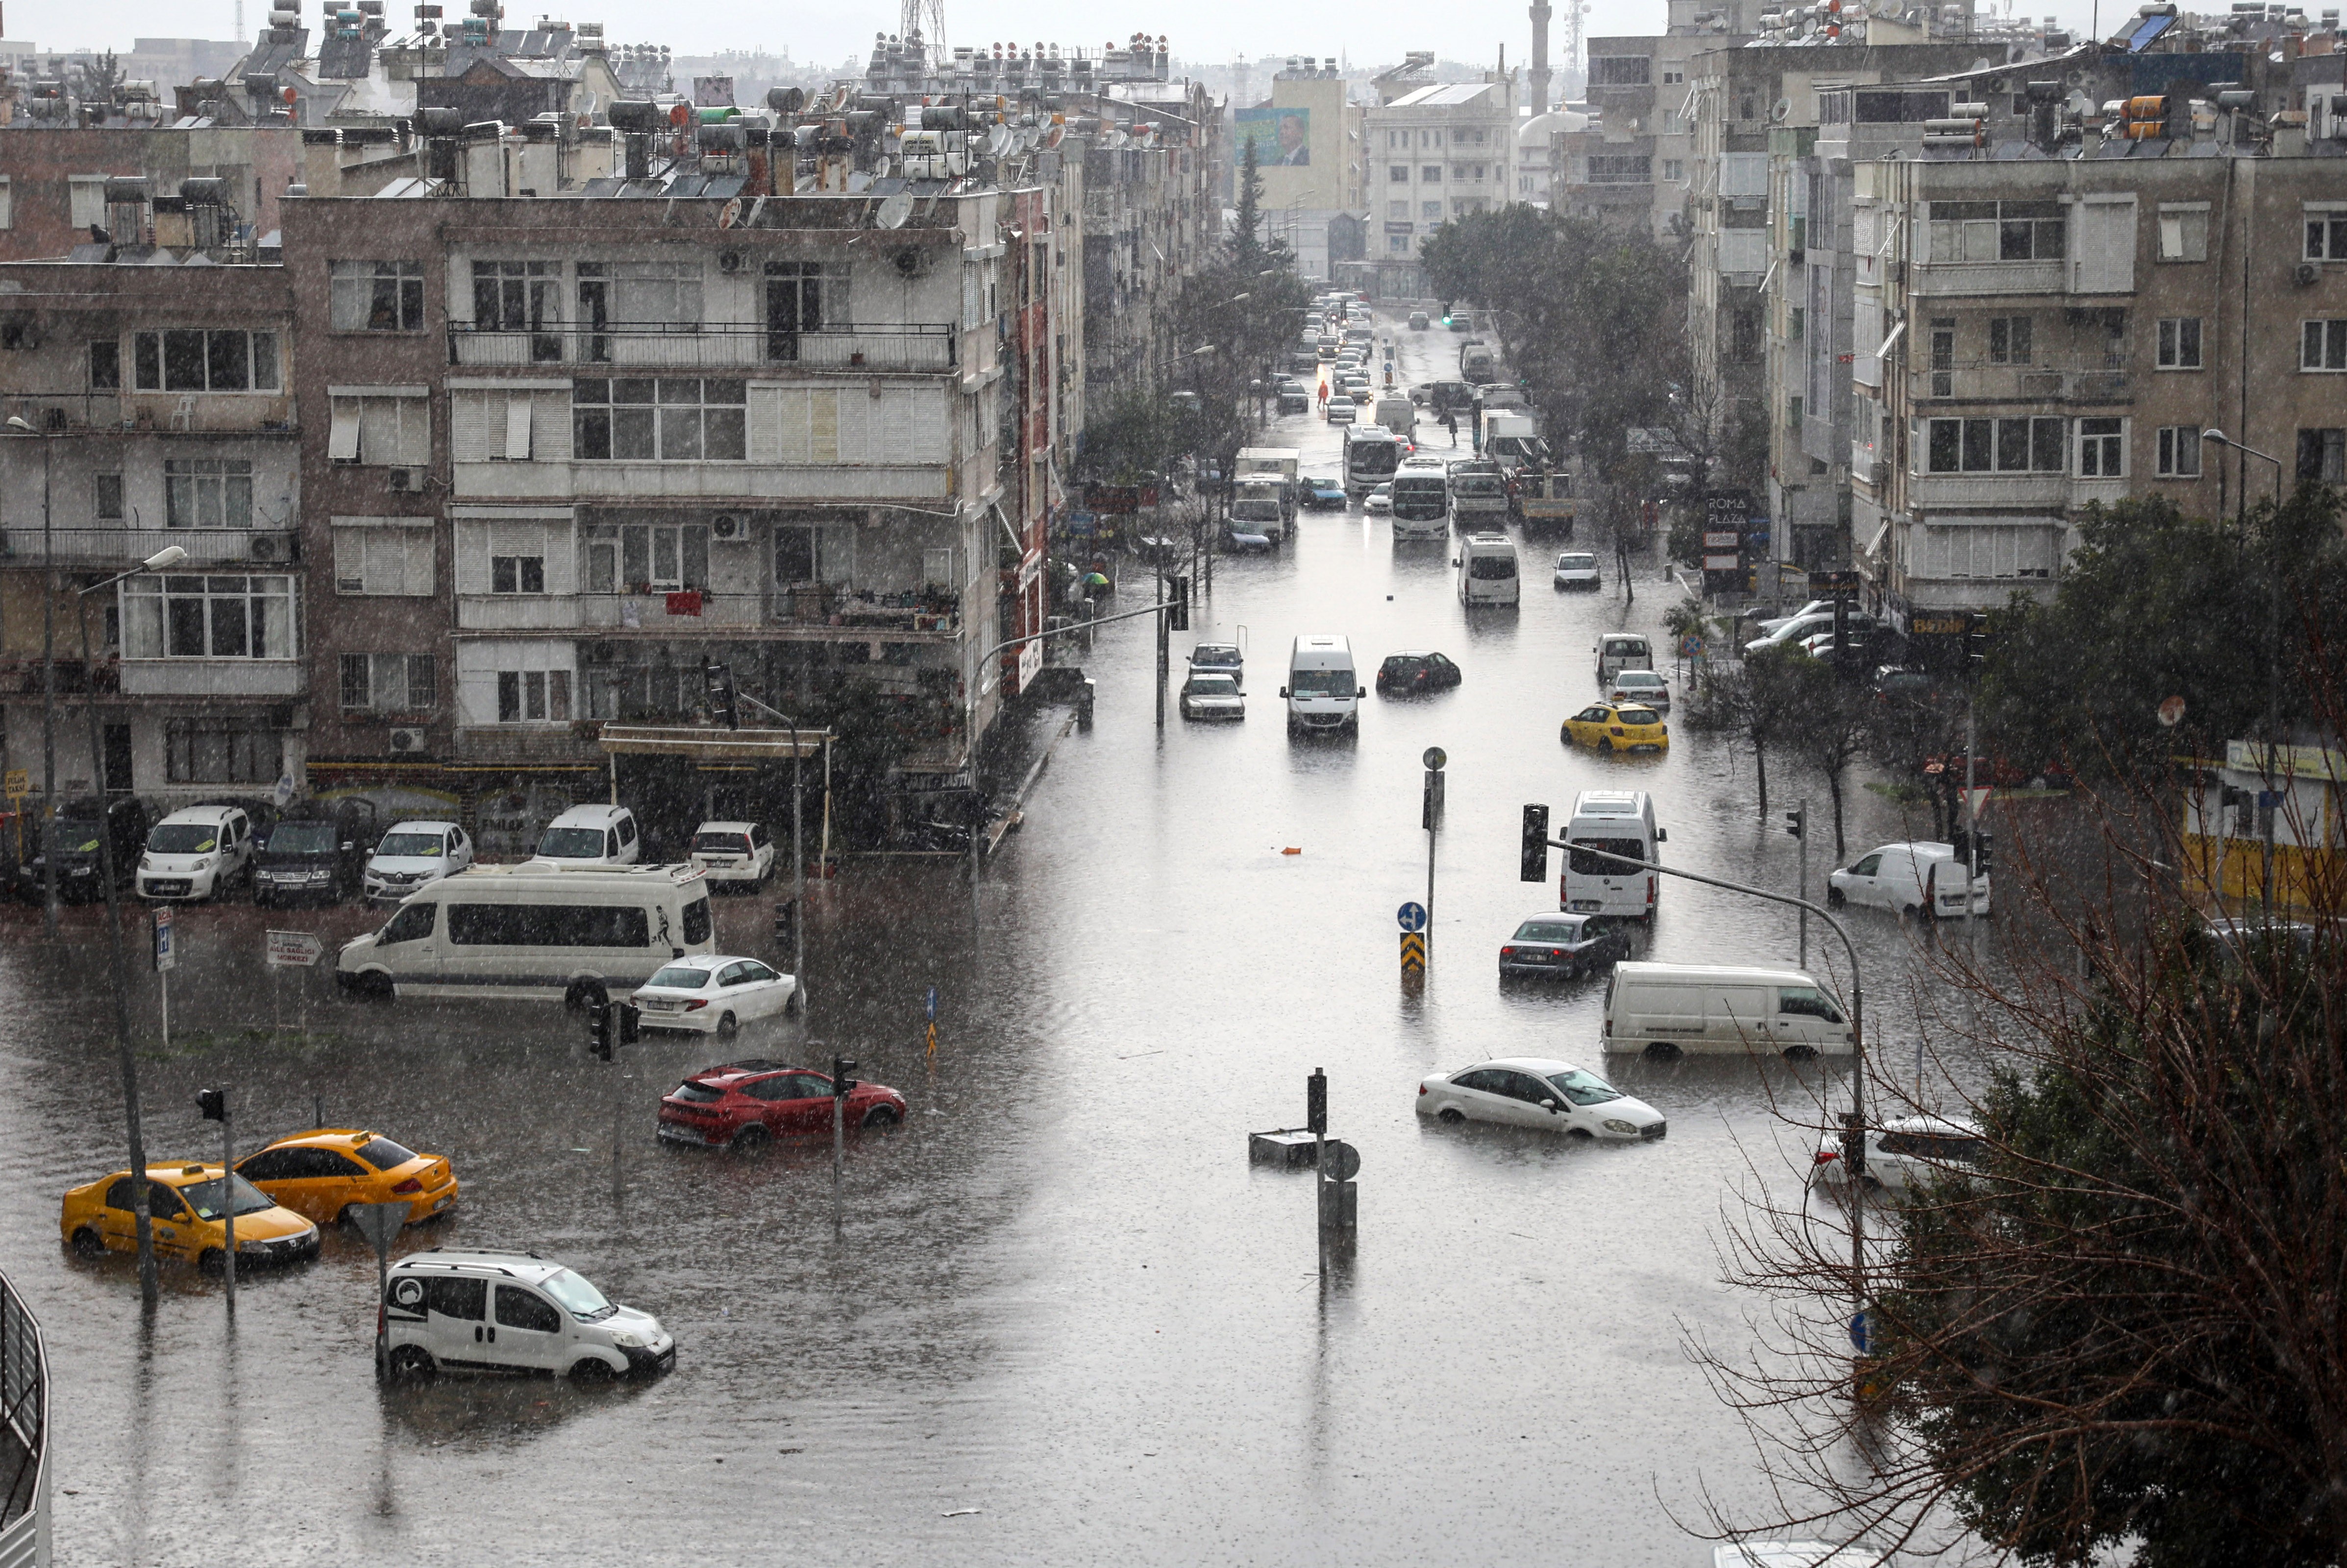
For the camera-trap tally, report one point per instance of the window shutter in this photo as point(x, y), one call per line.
point(415, 578)
point(414, 421)
point(469, 414)
point(518, 423)
point(823, 426)
point(343, 436)
point(550, 430)
point(472, 557)
point(350, 560)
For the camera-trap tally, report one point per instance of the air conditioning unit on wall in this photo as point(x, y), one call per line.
point(405, 481)
point(407, 742)
point(729, 528)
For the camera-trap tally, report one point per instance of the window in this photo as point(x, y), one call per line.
point(518, 574)
point(390, 682)
point(2102, 449)
point(520, 1308)
point(380, 555)
point(2179, 342)
point(1432, 209)
point(7, 203)
point(1620, 169)
point(672, 419)
point(1796, 321)
point(2009, 340)
point(1397, 209)
point(208, 493)
point(1399, 243)
point(390, 426)
point(1398, 173)
point(2031, 444)
point(106, 365)
point(802, 296)
point(209, 618)
point(1674, 169)
point(1982, 551)
point(533, 696)
point(1998, 232)
point(2323, 346)
point(88, 198)
point(2180, 451)
point(2326, 233)
point(2184, 232)
point(2322, 455)
point(517, 296)
point(191, 360)
point(647, 558)
point(1793, 412)
point(1432, 174)
point(106, 496)
point(375, 296)
point(1475, 174)
point(1670, 76)
point(1620, 70)
point(222, 751)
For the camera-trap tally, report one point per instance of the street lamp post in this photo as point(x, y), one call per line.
point(161, 560)
point(2273, 647)
point(48, 695)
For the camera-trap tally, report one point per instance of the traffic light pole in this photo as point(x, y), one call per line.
point(228, 1206)
point(1803, 834)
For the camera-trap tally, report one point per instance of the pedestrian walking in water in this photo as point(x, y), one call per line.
point(1450, 422)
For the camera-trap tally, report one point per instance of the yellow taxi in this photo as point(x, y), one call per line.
point(1617, 727)
point(323, 1172)
point(188, 1206)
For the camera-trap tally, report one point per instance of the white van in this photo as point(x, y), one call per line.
point(589, 836)
point(1622, 822)
point(1620, 650)
point(1323, 693)
point(455, 1308)
point(1673, 1009)
point(196, 853)
point(1486, 571)
point(1907, 879)
point(527, 932)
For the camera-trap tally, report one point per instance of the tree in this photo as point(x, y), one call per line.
point(1247, 224)
point(96, 78)
point(1754, 698)
point(1829, 719)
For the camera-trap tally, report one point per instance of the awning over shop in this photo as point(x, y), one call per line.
point(707, 745)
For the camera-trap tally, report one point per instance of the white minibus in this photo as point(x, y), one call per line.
point(1620, 822)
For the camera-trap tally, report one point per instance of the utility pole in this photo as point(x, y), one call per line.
point(1797, 822)
point(1431, 814)
point(212, 1104)
point(1164, 651)
point(841, 1087)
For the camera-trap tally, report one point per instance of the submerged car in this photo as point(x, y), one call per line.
point(1538, 1093)
point(188, 1208)
point(457, 1309)
point(1562, 946)
point(1577, 569)
point(1207, 695)
point(745, 1105)
point(715, 993)
point(1626, 727)
point(1379, 499)
point(322, 1173)
point(1640, 686)
point(1322, 495)
point(1410, 673)
point(1219, 659)
point(733, 854)
point(1905, 1154)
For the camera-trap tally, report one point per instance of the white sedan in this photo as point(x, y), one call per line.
point(1379, 499)
point(1904, 1154)
point(733, 853)
point(1640, 686)
point(1536, 1091)
point(715, 994)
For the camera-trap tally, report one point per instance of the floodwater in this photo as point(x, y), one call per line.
point(1061, 1320)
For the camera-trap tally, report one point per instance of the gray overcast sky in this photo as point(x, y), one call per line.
point(1365, 32)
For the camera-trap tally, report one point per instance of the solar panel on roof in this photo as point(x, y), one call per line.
point(2150, 27)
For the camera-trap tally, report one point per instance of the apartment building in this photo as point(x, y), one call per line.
point(157, 384)
point(54, 172)
point(1628, 161)
point(1438, 153)
point(1309, 149)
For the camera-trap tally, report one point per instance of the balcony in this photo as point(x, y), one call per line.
point(1977, 382)
point(709, 346)
point(825, 612)
point(1950, 279)
point(153, 413)
point(214, 677)
point(118, 547)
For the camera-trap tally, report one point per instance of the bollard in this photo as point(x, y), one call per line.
point(1084, 695)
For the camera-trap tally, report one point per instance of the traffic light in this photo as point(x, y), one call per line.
point(1975, 642)
point(718, 679)
point(1796, 821)
point(212, 1104)
point(1534, 866)
point(632, 1019)
point(1967, 845)
point(842, 1086)
point(1315, 1101)
point(1177, 617)
point(599, 1029)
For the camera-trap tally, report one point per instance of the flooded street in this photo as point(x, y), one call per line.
point(1063, 1320)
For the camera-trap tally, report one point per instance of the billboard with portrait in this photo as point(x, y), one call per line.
point(1280, 136)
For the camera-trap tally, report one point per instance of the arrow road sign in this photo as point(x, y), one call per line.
point(1412, 917)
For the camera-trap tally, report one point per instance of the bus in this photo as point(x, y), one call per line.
point(1478, 493)
point(1422, 502)
point(1371, 455)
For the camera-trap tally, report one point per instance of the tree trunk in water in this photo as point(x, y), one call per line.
point(1760, 772)
point(1833, 784)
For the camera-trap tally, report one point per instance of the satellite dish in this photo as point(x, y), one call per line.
point(894, 212)
point(1000, 140)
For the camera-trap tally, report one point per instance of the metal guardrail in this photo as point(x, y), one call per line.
point(704, 345)
point(24, 1435)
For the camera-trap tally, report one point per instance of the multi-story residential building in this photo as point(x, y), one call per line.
point(2041, 327)
point(157, 383)
point(1438, 153)
point(1628, 161)
point(1309, 149)
point(54, 169)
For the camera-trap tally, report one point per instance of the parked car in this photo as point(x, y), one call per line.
point(1418, 321)
point(196, 853)
point(1794, 632)
point(318, 851)
point(589, 836)
point(187, 1207)
point(1815, 607)
point(1206, 695)
point(1578, 569)
point(322, 1173)
point(1627, 727)
point(79, 824)
point(1908, 879)
point(1242, 536)
point(413, 854)
point(1379, 499)
point(1905, 1154)
point(1409, 674)
point(745, 1105)
point(457, 1309)
point(1219, 659)
point(1322, 495)
point(733, 854)
point(1640, 686)
point(1562, 946)
point(715, 993)
point(1536, 1091)
point(1901, 684)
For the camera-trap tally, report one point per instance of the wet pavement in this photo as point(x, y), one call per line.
point(1061, 1320)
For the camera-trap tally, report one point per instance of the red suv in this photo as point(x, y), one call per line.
point(745, 1105)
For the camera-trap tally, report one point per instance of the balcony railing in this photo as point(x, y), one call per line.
point(24, 1432)
point(2042, 383)
point(126, 546)
point(706, 346)
point(870, 611)
point(152, 413)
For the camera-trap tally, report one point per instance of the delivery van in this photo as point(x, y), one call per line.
point(1674, 1009)
point(1323, 693)
point(1619, 822)
point(1620, 650)
point(534, 931)
point(1908, 879)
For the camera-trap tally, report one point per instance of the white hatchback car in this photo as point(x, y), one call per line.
point(740, 854)
point(455, 1308)
point(196, 854)
point(715, 993)
point(1577, 569)
point(1905, 1154)
point(413, 854)
point(1537, 1091)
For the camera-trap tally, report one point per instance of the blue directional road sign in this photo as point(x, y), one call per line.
point(1412, 917)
